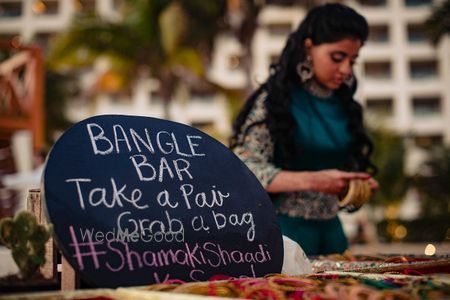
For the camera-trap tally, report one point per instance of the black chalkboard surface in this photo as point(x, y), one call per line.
point(138, 200)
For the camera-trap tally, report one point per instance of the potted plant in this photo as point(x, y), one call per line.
point(26, 239)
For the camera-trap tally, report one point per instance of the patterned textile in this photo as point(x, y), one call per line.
point(256, 150)
point(310, 205)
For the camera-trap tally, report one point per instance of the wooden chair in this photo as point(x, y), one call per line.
point(8, 198)
point(55, 262)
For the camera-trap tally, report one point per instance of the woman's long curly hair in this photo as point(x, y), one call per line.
point(327, 23)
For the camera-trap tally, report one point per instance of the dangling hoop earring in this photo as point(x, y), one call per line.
point(304, 69)
point(350, 81)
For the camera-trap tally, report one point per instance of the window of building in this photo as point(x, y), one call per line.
point(426, 106)
point(14, 38)
point(10, 8)
point(372, 2)
point(84, 6)
point(202, 96)
point(417, 33)
point(428, 141)
point(377, 70)
point(202, 125)
point(45, 7)
point(282, 29)
point(42, 39)
point(115, 98)
point(379, 106)
point(379, 34)
point(418, 2)
point(274, 58)
point(284, 2)
point(4, 54)
point(117, 4)
point(156, 99)
point(425, 69)
point(234, 62)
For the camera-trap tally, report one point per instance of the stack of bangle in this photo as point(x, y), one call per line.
point(316, 286)
point(356, 195)
point(400, 264)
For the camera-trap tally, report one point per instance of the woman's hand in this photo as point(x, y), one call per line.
point(330, 181)
point(334, 181)
point(373, 186)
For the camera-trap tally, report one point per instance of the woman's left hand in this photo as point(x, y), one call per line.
point(373, 185)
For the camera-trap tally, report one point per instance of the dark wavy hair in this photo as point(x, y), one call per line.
point(326, 23)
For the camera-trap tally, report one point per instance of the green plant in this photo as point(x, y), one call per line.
point(166, 38)
point(437, 24)
point(389, 157)
point(26, 239)
point(432, 181)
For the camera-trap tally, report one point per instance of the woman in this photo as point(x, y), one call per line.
point(301, 132)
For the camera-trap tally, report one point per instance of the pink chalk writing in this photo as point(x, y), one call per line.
point(194, 256)
point(92, 251)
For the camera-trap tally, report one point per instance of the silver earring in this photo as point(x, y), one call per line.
point(350, 81)
point(304, 69)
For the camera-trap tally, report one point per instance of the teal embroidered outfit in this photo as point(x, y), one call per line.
point(308, 217)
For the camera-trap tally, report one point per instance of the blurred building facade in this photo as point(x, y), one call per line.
point(404, 80)
point(36, 21)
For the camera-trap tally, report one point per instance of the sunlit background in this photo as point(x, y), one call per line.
point(195, 61)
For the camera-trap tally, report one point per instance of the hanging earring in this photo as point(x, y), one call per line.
point(304, 69)
point(350, 81)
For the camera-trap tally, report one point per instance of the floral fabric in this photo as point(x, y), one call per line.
point(256, 150)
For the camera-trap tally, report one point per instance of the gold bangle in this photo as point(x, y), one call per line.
point(357, 194)
point(290, 284)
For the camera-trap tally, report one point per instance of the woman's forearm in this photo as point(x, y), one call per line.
point(329, 181)
point(289, 181)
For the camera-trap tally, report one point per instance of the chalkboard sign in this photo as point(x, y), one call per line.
point(138, 200)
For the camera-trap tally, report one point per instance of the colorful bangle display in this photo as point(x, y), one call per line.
point(317, 286)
